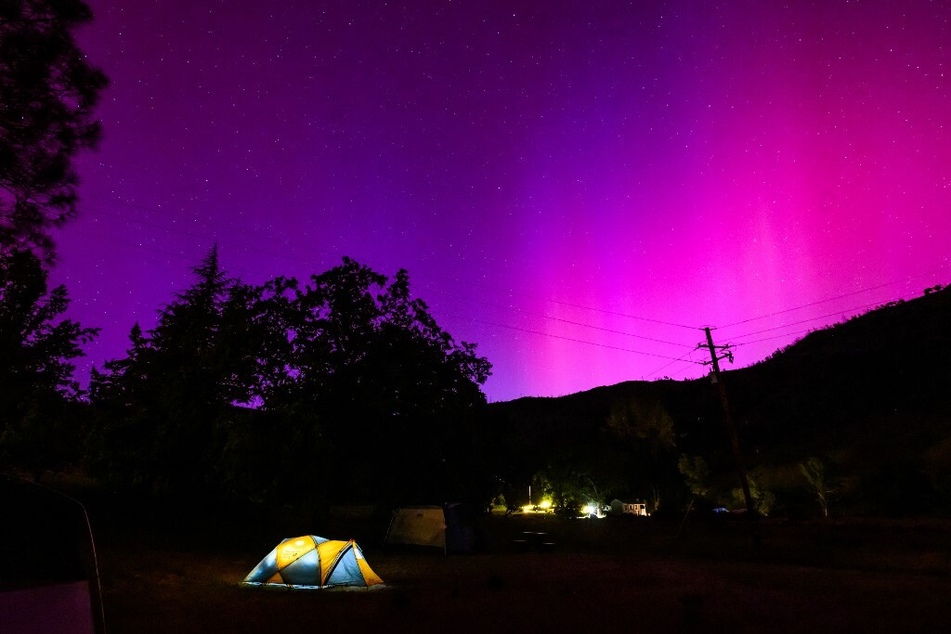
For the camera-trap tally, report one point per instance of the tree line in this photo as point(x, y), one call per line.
point(340, 386)
point(343, 388)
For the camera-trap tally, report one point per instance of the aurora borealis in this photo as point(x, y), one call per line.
point(577, 187)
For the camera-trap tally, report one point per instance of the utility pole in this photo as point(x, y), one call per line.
point(715, 357)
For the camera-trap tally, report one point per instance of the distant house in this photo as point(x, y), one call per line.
point(629, 508)
point(634, 508)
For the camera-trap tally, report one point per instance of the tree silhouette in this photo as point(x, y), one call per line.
point(47, 95)
point(165, 404)
point(645, 430)
point(386, 378)
point(348, 376)
point(37, 348)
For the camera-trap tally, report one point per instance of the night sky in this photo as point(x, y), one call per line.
point(577, 187)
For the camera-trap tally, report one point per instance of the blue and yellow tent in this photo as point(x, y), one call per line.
point(314, 562)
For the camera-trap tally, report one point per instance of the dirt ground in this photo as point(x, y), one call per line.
point(600, 575)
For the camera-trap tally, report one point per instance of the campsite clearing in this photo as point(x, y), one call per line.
point(610, 575)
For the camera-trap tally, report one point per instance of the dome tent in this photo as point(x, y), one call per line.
point(312, 562)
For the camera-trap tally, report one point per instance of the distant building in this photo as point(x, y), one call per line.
point(630, 508)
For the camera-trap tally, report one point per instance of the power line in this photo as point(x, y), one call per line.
point(806, 321)
point(559, 319)
point(207, 232)
point(782, 336)
point(625, 315)
point(691, 363)
point(832, 299)
point(592, 309)
point(816, 303)
point(563, 338)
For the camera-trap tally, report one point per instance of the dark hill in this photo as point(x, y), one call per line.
point(871, 397)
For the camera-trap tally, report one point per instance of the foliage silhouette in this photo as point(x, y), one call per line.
point(869, 395)
point(349, 390)
point(46, 117)
point(388, 383)
point(37, 347)
point(165, 406)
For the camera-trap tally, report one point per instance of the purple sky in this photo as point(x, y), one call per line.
point(577, 187)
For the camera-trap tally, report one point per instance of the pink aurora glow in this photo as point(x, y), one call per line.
point(578, 190)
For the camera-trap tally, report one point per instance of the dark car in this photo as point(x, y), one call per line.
point(49, 579)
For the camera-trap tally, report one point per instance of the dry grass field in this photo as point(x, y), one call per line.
point(608, 575)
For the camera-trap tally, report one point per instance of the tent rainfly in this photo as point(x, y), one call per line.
point(312, 562)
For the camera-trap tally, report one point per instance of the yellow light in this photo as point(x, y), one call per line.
point(527, 508)
point(546, 504)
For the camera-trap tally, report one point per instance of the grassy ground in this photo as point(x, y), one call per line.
point(608, 575)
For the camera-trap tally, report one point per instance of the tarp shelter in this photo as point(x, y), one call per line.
point(446, 527)
point(314, 562)
point(49, 578)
